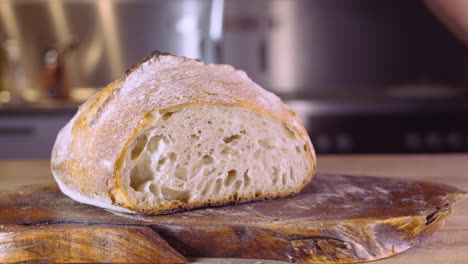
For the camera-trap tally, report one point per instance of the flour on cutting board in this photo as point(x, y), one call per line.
point(329, 197)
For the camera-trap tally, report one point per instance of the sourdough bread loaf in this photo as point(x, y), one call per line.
point(175, 134)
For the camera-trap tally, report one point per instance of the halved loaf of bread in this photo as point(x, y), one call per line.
point(175, 134)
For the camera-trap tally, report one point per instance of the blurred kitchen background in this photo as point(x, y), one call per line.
point(365, 76)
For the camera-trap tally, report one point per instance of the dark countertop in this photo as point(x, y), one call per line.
point(40, 107)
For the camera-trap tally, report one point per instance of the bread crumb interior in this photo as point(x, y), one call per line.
point(209, 153)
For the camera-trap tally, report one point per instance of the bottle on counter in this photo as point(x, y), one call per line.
point(54, 76)
point(2, 62)
point(13, 75)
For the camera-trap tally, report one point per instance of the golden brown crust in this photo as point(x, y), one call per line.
point(221, 202)
point(89, 151)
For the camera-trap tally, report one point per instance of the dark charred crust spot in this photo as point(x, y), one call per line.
point(430, 218)
point(153, 54)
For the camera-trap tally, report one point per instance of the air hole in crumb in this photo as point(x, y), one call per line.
point(246, 178)
point(266, 143)
point(230, 139)
point(237, 185)
point(209, 122)
point(153, 143)
point(212, 170)
point(298, 149)
point(256, 154)
point(206, 187)
point(208, 171)
point(193, 136)
point(207, 160)
point(139, 146)
point(217, 187)
point(205, 190)
point(289, 132)
point(199, 131)
point(258, 193)
point(200, 185)
point(172, 156)
point(275, 176)
point(291, 173)
point(161, 162)
point(284, 178)
point(226, 151)
point(243, 131)
point(154, 190)
point(172, 194)
point(139, 175)
point(167, 115)
point(231, 176)
point(175, 203)
point(235, 196)
point(181, 173)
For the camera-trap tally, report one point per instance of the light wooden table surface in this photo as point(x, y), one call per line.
point(448, 245)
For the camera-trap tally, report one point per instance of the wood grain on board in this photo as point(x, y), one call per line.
point(336, 219)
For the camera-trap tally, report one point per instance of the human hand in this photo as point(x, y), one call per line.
point(454, 14)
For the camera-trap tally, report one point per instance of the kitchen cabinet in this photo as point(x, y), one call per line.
point(29, 132)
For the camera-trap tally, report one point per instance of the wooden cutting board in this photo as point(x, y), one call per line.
point(336, 219)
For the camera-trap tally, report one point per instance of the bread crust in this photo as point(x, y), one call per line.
point(89, 151)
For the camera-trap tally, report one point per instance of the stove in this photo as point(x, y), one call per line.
point(382, 124)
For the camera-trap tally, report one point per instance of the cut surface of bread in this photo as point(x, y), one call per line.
point(176, 134)
point(227, 153)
